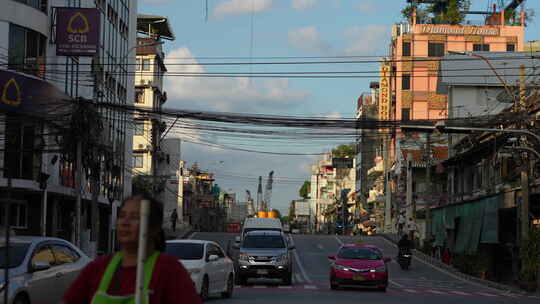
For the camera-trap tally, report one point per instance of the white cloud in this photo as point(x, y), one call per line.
point(366, 40)
point(237, 94)
point(308, 38)
point(239, 7)
point(334, 115)
point(303, 4)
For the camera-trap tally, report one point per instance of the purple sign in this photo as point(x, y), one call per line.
point(26, 95)
point(77, 31)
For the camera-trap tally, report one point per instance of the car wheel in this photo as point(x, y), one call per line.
point(205, 289)
point(21, 299)
point(230, 287)
point(287, 279)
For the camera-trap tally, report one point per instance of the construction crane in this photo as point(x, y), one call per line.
point(249, 202)
point(268, 191)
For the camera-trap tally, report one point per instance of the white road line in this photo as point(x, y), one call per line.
point(444, 271)
point(410, 290)
point(397, 284)
point(302, 270)
point(310, 287)
point(461, 293)
point(435, 291)
point(339, 241)
point(486, 294)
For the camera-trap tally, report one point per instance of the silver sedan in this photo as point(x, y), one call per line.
point(40, 269)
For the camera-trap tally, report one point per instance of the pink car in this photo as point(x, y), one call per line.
point(358, 266)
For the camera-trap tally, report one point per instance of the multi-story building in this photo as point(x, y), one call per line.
point(44, 71)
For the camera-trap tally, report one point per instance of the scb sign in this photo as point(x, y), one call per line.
point(77, 31)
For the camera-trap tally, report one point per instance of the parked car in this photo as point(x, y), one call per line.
point(265, 254)
point(41, 269)
point(210, 268)
point(358, 266)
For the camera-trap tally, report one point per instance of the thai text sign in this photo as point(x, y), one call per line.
point(77, 31)
point(459, 30)
point(384, 93)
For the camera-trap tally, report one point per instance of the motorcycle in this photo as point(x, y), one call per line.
point(404, 258)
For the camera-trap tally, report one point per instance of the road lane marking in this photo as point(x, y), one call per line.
point(339, 241)
point(397, 284)
point(410, 290)
point(444, 271)
point(435, 291)
point(302, 270)
point(310, 287)
point(486, 294)
point(461, 293)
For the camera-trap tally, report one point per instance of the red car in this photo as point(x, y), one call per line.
point(358, 266)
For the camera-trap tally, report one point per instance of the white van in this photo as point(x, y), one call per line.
point(257, 224)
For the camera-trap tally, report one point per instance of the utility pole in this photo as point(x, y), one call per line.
point(428, 185)
point(524, 216)
point(411, 206)
point(78, 193)
point(388, 201)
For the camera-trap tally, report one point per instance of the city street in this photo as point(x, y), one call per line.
point(421, 284)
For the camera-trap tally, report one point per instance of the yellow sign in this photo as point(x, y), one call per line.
point(76, 30)
point(385, 95)
point(459, 30)
point(15, 86)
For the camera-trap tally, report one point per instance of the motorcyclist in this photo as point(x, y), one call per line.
point(404, 244)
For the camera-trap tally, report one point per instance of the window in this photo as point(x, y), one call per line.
point(510, 47)
point(436, 49)
point(26, 51)
point(137, 64)
point(406, 82)
point(146, 64)
point(185, 251)
point(38, 4)
point(481, 47)
point(139, 128)
point(18, 215)
point(43, 254)
point(137, 160)
point(139, 95)
point(64, 255)
point(405, 114)
point(406, 49)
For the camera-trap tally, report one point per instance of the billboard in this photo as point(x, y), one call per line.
point(385, 95)
point(77, 31)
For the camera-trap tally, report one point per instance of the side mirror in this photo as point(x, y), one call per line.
point(213, 258)
point(387, 260)
point(332, 257)
point(237, 239)
point(38, 266)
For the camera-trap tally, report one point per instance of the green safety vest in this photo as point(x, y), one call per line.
point(101, 296)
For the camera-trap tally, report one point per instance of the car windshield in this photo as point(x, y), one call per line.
point(263, 241)
point(17, 253)
point(185, 251)
point(355, 253)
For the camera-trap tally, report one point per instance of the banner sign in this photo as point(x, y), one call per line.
point(385, 96)
point(77, 31)
point(26, 95)
point(461, 30)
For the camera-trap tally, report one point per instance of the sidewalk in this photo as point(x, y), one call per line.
point(437, 263)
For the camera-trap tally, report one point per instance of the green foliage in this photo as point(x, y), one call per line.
point(142, 184)
point(278, 213)
point(346, 150)
point(291, 210)
point(450, 12)
point(305, 190)
point(530, 256)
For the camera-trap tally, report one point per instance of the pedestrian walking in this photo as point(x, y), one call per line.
point(174, 219)
point(411, 229)
point(111, 279)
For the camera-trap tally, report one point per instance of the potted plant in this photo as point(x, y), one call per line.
point(530, 261)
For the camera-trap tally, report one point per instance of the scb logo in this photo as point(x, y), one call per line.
point(77, 27)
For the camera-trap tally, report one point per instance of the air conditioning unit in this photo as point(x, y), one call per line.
point(141, 146)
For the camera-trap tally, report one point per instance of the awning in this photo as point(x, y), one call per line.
point(154, 25)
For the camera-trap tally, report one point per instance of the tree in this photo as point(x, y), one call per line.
point(291, 210)
point(305, 190)
point(278, 213)
point(142, 184)
point(344, 151)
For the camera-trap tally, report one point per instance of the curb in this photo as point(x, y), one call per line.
point(432, 261)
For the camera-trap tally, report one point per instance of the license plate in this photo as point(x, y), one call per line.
point(359, 277)
point(262, 271)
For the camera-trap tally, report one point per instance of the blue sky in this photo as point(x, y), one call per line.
point(283, 28)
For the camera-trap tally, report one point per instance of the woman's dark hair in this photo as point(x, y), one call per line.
point(155, 218)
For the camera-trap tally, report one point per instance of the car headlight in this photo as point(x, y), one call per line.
point(2, 285)
point(194, 270)
point(243, 257)
point(341, 268)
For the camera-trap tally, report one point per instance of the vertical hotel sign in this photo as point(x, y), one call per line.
point(77, 31)
point(385, 95)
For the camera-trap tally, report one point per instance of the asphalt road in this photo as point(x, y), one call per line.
point(421, 284)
